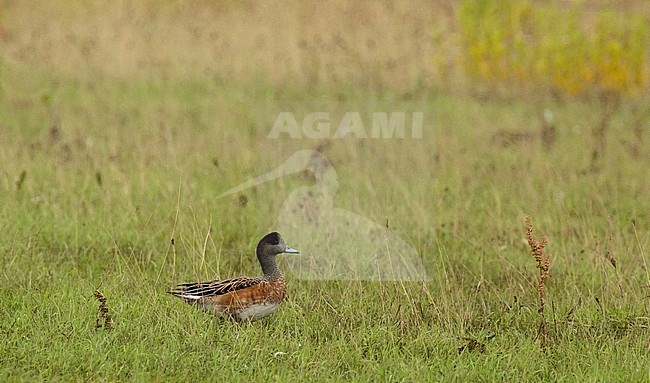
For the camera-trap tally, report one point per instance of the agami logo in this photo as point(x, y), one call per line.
point(319, 125)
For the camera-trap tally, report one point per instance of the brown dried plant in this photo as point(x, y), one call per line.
point(102, 314)
point(543, 264)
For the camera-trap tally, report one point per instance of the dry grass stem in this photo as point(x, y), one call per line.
point(103, 317)
point(543, 264)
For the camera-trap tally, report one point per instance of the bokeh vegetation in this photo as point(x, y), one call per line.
point(537, 45)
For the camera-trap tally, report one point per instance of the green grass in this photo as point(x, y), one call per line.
point(136, 163)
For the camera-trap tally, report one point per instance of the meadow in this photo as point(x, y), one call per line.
point(121, 124)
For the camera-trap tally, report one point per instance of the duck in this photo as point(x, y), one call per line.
point(243, 298)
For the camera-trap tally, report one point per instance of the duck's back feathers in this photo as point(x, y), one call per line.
point(194, 291)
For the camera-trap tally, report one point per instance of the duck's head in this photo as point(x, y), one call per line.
point(273, 244)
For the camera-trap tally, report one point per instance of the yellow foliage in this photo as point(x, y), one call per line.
point(507, 42)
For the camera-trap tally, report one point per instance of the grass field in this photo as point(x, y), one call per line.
point(120, 126)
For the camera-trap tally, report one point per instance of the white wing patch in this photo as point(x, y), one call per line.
point(188, 296)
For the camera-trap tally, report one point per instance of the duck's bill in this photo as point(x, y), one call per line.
point(289, 250)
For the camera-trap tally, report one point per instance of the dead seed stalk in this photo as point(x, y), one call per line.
point(543, 264)
point(102, 313)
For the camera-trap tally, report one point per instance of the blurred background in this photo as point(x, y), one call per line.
point(566, 47)
point(116, 114)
